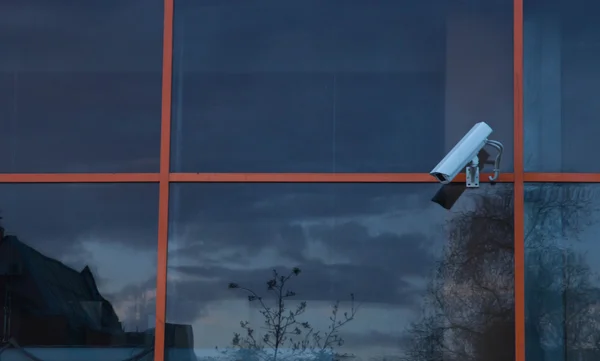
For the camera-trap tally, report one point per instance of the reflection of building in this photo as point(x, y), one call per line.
point(47, 303)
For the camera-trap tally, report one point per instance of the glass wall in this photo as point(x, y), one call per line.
point(248, 180)
point(78, 271)
point(561, 50)
point(561, 43)
point(80, 92)
point(256, 270)
point(336, 86)
point(80, 86)
point(562, 276)
point(314, 271)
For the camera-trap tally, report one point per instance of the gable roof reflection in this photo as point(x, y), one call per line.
point(63, 290)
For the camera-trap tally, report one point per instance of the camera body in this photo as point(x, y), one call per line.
point(463, 153)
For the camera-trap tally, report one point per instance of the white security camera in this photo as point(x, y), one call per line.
point(465, 154)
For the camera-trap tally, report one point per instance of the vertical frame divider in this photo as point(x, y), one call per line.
point(163, 204)
point(519, 193)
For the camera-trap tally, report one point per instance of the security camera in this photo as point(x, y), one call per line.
point(465, 156)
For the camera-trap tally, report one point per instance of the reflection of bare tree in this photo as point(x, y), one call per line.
point(469, 304)
point(469, 307)
point(284, 335)
point(562, 316)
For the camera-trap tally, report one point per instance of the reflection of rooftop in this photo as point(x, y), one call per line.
point(41, 290)
point(44, 302)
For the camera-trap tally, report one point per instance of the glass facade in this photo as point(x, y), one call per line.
point(80, 85)
point(249, 180)
point(561, 273)
point(409, 277)
point(254, 84)
point(561, 50)
point(78, 270)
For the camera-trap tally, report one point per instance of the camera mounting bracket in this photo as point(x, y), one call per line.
point(472, 169)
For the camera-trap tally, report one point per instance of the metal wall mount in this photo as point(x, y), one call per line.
point(472, 176)
point(472, 169)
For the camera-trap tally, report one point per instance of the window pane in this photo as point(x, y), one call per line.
point(80, 85)
point(78, 270)
point(337, 86)
point(428, 284)
point(562, 80)
point(561, 273)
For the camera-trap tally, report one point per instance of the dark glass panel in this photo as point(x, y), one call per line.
point(337, 86)
point(561, 83)
point(80, 85)
point(562, 273)
point(78, 271)
point(416, 280)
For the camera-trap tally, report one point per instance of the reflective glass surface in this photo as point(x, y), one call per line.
point(561, 83)
point(78, 271)
point(562, 271)
point(337, 86)
point(80, 85)
point(321, 271)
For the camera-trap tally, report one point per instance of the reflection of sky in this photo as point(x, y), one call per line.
point(237, 232)
point(365, 98)
point(111, 228)
point(378, 241)
point(382, 245)
point(375, 240)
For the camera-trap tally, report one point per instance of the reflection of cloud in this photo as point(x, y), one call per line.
point(61, 216)
point(109, 227)
point(136, 305)
point(380, 242)
point(406, 254)
point(317, 282)
point(343, 244)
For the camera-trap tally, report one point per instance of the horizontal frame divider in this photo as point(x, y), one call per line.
point(282, 177)
point(320, 177)
point(80, 178)
point(234, 177)
point(562, 177)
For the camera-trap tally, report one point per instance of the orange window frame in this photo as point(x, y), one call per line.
point(518, 190)
point(164, 178)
